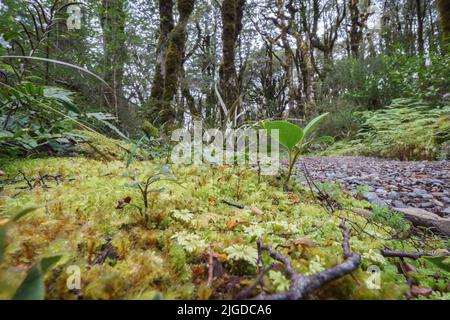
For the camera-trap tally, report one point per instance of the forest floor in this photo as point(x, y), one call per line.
point(400, 184)
point(92, 213)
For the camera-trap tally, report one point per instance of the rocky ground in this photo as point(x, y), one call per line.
point(400, 184)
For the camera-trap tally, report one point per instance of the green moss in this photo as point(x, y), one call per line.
point(81, 216)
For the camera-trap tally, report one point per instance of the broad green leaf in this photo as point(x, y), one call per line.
point(441, 262)
point(289, 134)
point(32, 287)
point(313, 124)
point(48, 262)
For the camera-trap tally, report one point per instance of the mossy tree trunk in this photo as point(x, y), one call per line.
point(171, 49)
point(232, 12)
point(166, 25)
point(444, 14)
point(112, 18)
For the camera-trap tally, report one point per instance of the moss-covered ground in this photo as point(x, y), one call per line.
point(91, 212)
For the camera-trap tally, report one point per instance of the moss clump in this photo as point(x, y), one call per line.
point(150, 130)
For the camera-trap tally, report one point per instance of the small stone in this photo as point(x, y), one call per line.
point(373, 198)
point(438, 203)
point(446, 211)
point(446, 199)
point(399, 204)
point(426, 205)
point(393, 195)
point(419, 191)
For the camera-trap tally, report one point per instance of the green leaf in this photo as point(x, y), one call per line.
point(289, 134)
point(313, 124)
point(440, 262)
point(32, 287)
point(48, 262)
point(23, 213)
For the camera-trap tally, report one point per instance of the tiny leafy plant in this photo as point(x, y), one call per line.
point(296, 139)
point(145, 189)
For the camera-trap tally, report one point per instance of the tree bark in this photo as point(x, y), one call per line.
point(232, 13)
point(170, 54)
point(112, 18)
point(444, 14)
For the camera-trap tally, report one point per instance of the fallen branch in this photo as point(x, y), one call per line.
point(302, 286)
point(411, 255)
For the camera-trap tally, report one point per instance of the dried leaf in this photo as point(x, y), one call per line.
point(122, 202)
point(305, 243)
point(257, 211)
point(294, 198)
point(221, 256)
point(211, 200)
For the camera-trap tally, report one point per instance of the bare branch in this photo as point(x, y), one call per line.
point(302, 286)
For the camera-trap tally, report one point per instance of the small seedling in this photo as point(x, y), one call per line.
point(295, 139)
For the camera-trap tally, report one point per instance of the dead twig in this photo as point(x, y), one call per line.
point(411, 255)
point(210, 265)
point(302, 286)
point(233, 204)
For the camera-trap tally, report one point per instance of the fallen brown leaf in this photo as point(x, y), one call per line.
point(257, 211)
point(122, 202)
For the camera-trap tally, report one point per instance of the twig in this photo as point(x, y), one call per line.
point(210, 265)
point(411, 255)
point(302, 286)
point(259, 280)
point(233, 204)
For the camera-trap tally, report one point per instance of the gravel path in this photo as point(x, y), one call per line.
point(421, 184)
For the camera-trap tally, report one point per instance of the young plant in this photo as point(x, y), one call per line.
point(296, 139)
point(145, 189)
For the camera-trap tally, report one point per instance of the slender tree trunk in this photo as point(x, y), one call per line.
point(112, 18)
point(166, 25)
point(420, 8)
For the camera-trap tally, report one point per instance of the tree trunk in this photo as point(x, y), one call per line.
point(420, 8)
point(170, 54)
point(174, 61)
point(355, 29)
point(232, 12)
point(444, 14)
point(166, 25)
point(112, 18)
